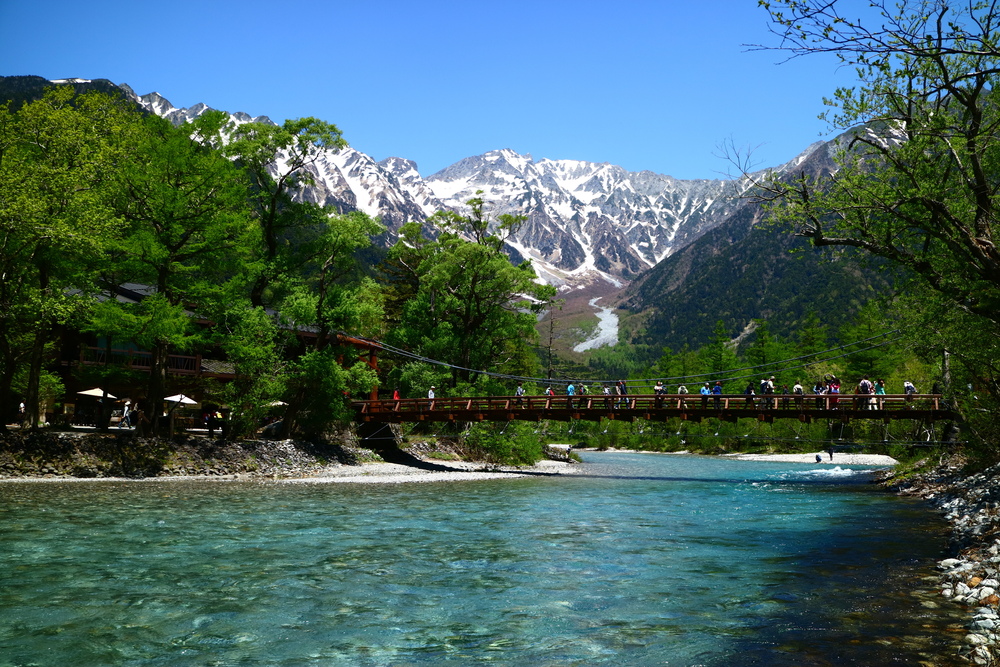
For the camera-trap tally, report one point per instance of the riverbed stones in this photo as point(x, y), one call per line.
point(971, 577)
point(125, 455)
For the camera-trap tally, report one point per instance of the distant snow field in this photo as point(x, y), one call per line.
point(607, 328)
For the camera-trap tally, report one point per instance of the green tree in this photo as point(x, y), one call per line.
point(329, 301)
point(877, 358)
point(915, 175)
point(304, 264)
point(279, 160)
point(185, 206)
point(56, 157)
point(473, 308)
point(718, 355)
point(679, 368)
point(251, 340)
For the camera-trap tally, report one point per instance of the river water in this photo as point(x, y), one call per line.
point(640, 560)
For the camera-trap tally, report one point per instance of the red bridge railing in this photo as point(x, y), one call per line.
point(649, 406)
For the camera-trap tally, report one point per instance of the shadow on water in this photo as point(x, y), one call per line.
point(884, 612)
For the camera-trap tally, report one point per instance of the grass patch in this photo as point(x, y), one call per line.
point(443, 456)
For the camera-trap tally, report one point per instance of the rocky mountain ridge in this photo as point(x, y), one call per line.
point(682, 248)
point(585, 221)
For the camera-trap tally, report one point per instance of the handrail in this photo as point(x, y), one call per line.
point(180, 364)
point(645, 402)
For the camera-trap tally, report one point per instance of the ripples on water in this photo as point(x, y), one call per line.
point(641, 560)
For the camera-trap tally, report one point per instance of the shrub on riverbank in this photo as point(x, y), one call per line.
point(510, 443)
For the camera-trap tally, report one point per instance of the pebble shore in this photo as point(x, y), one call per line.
point(971, 504)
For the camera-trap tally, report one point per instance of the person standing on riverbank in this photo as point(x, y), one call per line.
point(124, 421)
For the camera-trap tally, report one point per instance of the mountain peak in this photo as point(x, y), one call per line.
point(583, 219)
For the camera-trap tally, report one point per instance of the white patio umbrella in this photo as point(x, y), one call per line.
point(180, 398)
point(96, 391)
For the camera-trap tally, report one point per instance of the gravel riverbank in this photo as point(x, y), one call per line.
point(62, 456)
point(971, 577)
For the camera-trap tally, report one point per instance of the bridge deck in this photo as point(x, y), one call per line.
point(728, 407)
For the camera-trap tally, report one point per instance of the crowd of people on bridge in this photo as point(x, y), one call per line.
point(765, 394)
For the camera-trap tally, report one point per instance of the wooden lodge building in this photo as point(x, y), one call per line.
point(121, 368)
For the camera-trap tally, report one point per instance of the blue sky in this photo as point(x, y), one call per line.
point(644, 85)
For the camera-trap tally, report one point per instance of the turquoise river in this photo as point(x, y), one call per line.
point(639, 559)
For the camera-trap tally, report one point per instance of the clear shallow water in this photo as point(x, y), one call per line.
point(642, 560)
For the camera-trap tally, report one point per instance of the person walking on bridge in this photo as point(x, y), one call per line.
point(820, 390)
point(865, 389)
point(717, 392)
point(880, 391)
point(834, 390)
point(705, 392)
point(769, 393)
point(622, 390)
point(430, 397)
point(909, 390)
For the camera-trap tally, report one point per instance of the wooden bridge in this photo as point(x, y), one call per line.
point(650, 407)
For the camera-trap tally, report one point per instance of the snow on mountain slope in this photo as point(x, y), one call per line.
point(585, 221)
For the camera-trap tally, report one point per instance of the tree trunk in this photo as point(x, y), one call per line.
point(292, 412)
point(8, 402)
point(31, 401)
point(153, 405)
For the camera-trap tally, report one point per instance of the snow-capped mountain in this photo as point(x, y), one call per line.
point(585, 221)
point(586, 218)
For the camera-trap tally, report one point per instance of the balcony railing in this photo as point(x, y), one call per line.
point(177, 364)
